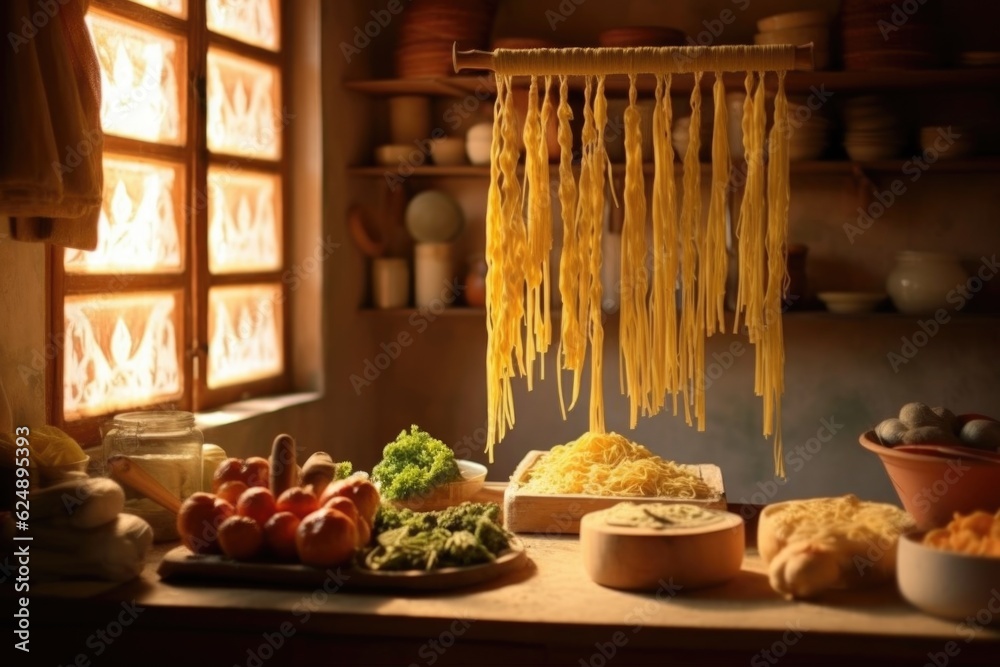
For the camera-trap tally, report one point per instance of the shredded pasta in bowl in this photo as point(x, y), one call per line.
point(609, 464)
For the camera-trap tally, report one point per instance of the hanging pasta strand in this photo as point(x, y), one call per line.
point(777, 272)
point(744, 225)
point(575, 263)
point(657, 345)
point(539, 231)
point(505, 265)
point(572, 339)
point(497, 385)
point(601, 165)
point(635, 351)
point(715, 261)
point(691, 325)
point(546, 221)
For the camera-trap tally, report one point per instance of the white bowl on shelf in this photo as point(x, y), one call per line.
point(448, 151)
point(391, 155)
point(851, 302)
point(478, 143)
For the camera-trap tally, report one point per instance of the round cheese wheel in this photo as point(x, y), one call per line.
point(646, 546)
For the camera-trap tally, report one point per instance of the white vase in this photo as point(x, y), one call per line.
point(921, 282)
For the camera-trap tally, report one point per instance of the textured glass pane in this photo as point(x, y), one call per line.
point(139, 230)
point(244, 221)
point(175, 7)
point(120, 352)
point(243, 106)
point(244, 334)
point(139, 75)
point(251, 21)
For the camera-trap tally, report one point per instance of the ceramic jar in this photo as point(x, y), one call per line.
point(921, 281)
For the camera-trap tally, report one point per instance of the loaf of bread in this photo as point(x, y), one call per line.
point(816, 545)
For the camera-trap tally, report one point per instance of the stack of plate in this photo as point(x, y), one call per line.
point(871, 130)
point(808, 130)
point(798, 28)
point(431, 27)
point(642, 36)
point(887, 34)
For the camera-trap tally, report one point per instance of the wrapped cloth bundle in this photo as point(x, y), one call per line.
point(51, 175)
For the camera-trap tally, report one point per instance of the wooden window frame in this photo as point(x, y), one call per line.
point(196, 280)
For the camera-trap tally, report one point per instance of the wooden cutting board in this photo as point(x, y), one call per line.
point(554, 514)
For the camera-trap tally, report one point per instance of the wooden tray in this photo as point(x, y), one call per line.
point(181, 564)
point(561, 513)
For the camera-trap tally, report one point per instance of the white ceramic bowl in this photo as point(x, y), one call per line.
point(851, 302)
point(448, 151)
point(391, 155)
point(478, 141)
point(447, 495)
point(948, 584)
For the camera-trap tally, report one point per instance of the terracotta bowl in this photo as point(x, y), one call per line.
point(933, 488)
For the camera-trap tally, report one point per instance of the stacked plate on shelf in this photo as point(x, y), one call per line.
point(809, 130)
point(888, 34)
point(798, 28)
point(429, 29)
point(871, 130)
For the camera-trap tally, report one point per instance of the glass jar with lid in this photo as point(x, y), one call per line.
point(168, 446)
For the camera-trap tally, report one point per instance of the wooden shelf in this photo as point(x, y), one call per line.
point(985, 164)
point(796, 82)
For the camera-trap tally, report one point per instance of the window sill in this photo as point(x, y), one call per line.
point(255, 407)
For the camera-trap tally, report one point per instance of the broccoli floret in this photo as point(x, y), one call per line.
point(414, 464)
point(464, 548)
point(492, 536)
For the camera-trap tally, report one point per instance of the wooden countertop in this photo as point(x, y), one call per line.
point(547, 613)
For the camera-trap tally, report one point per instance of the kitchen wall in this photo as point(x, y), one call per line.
point(838, 376)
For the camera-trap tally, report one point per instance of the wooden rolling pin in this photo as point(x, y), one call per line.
point(129, 473)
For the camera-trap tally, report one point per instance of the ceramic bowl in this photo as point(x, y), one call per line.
point(391, 155)
point(851, 302)
point(478, 143)
point(933, 488)
point(947, 583)
point(447, 495)
point(448, 151)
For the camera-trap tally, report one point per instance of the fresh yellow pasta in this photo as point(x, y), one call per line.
point(667, 314)
point(609, 464)
point(634, 348)
point(715, 262)
point(692, 325)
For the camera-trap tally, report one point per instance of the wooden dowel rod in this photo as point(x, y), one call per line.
point(677, 56)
